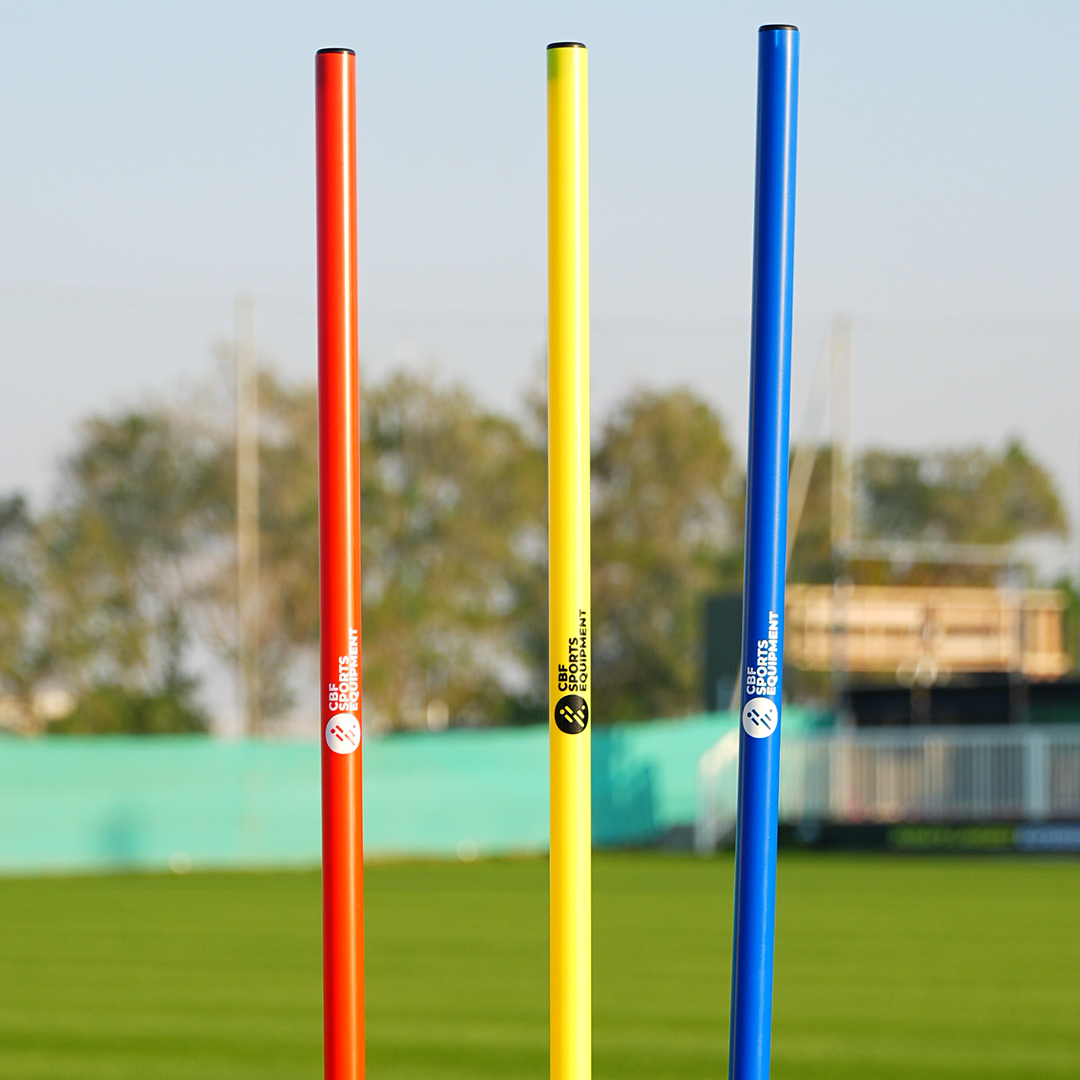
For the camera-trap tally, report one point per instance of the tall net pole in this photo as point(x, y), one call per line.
point(247, 514)
point(766, 533)
point(569, 641)
point(339, 566)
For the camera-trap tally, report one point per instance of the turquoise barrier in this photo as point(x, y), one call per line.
point(72, 805)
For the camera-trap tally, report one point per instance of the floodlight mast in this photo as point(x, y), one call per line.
point(766, 529)
point(339, 566)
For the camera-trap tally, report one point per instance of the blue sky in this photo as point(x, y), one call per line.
point(159, 158)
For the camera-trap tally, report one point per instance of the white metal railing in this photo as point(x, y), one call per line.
point(1029, 773)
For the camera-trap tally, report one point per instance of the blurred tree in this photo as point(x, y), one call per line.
point(452, 498)
point(667, 517)
point(110, 709)
point(134, 511)
point(28, 657)
point(102, 594)
point(453, 540)
point(288, 601)
point(969, 496)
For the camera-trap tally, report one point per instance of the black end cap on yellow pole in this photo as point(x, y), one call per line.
point(566, 45)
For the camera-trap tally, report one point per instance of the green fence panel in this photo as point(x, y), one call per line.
point(75, 804)
point(70, 805)
point(460, 792)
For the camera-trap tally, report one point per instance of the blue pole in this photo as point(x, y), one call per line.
point(766, 537)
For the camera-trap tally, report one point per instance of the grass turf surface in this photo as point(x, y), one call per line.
point(886, 967)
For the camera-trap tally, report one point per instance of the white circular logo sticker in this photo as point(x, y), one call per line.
point(760, 717)
point(343, 733)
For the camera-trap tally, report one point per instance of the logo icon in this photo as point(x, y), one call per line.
point(343, 733)
point(760, 717)
point(572, 714)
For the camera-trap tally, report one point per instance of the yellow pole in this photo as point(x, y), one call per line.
point(569, 633)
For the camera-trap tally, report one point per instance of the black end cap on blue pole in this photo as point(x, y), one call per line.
point(777, 26)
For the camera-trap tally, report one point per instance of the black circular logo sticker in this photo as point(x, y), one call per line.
point(572, 714)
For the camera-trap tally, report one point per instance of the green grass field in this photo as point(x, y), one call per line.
point(886, 967)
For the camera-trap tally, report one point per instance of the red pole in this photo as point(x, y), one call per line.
point(339, 566)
